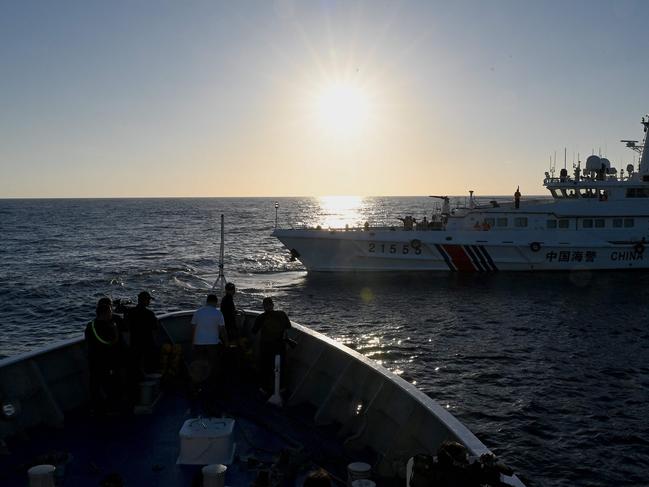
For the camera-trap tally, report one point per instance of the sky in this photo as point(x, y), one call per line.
point(285, 98)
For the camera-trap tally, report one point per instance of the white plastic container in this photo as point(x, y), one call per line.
point(358, 471)
point(205, 441)
point(214, 475)
point(363, 483)
point(149, 390)
point(41, 476)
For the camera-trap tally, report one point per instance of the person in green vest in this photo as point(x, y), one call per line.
point(106, 360)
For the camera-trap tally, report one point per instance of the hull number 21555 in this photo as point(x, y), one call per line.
point(393, 248)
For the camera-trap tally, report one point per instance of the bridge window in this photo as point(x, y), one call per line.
point(617, 222)
point(551, 224)
point(564, 223)
point(628, 222)
point(600, 223)
point(637, 193)
point(588, 193)
point(587, 223)
point(502, 222)
point(520, 221)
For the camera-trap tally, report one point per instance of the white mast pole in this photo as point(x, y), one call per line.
point(220, 280)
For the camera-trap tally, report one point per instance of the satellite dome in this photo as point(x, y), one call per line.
point(605, 162)
point(612, 170)
point(593, 163)
point(630, 168)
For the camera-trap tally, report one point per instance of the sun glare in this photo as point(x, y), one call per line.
point(343, 109)
point(338, 211)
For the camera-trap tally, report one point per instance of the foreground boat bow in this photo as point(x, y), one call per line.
point(336, 396)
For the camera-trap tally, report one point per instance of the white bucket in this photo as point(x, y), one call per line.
point(358, 471)
point(41, 476)
point(363, 483)
point(148, 392)
point(214, 475)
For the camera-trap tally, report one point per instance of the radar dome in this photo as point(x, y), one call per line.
point(605, 162)
point(593, 163)
point(630, 168)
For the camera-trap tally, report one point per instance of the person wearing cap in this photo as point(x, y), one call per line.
point(229, 311)
point(143, 326)
point(273, 326)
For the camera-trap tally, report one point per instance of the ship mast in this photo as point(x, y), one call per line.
point(219, 284)
point(643, 166)
point(644, 161)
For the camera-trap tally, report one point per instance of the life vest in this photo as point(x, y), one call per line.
point(100, 339)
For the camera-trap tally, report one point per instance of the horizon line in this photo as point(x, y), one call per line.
point(10, 198)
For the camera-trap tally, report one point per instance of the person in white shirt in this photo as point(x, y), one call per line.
point(208, 339)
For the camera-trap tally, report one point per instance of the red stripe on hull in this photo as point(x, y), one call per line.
point(460, 258)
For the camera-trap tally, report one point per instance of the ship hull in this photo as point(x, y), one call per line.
point(376, 251)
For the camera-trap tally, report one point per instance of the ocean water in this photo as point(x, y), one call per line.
point(550, 371)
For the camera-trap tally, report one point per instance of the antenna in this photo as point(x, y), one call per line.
point(276, 207)
point(220, 280)
point(564, 157)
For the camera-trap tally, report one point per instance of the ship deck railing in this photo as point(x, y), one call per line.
point(433, 227)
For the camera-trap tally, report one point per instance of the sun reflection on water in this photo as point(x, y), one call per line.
point(338, 211)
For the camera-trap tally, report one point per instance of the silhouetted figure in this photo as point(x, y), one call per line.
point(106, 352)
point(143, 326)
point(229, 311)
point(517, 198)
point(273, 325)
point(122, 326)
point(408, 222)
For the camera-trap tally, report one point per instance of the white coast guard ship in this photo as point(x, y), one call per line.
point(597, 218)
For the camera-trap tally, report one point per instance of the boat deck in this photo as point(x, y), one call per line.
point(341, 407)
point(143, 449)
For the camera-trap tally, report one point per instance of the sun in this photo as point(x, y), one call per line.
point(343, 109)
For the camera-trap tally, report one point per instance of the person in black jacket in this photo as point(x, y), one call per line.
point(143, 326)
point(273, 326)
point(229, 311)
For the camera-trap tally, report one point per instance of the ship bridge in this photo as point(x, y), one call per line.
point(600, 180)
